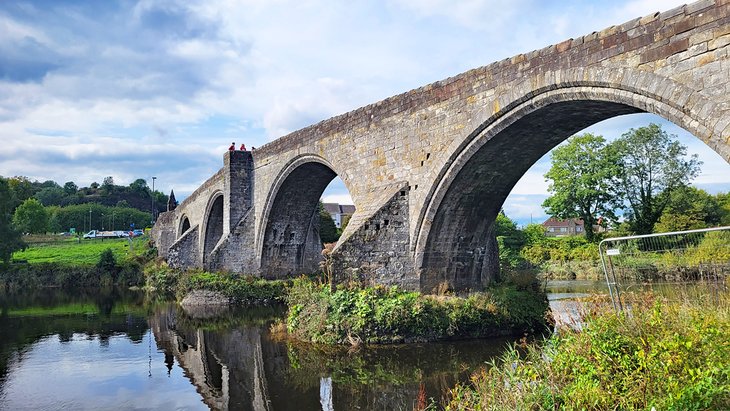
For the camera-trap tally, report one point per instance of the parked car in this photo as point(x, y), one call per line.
point(136, 233)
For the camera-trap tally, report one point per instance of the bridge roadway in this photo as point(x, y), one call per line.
point(429, 169)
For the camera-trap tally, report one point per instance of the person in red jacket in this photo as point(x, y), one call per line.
point(232, 147)
point(243, 147)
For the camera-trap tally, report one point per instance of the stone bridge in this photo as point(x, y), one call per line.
point(429, 169)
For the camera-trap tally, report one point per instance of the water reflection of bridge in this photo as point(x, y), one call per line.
point(227, 368)
point(234, 364)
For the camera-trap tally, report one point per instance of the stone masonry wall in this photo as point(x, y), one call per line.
point(184, 252)
point(675, 64)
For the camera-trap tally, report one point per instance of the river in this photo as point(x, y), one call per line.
point(116, 350)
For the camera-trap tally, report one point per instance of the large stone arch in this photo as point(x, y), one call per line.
point(455, 242)
point(213, 226)
point(288, 237)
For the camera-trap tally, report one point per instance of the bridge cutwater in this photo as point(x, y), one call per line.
point(429, 169)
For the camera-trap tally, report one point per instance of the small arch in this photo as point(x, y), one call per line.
point(184, 226)
point(213, 230)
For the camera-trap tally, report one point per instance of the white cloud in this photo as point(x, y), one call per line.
point(183, 80)
point(337, 198)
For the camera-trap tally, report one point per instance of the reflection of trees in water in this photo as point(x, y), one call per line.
point(53, 312)
point(233, 364)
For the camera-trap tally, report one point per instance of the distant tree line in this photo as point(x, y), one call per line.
point(49, 193)
point(40, 207)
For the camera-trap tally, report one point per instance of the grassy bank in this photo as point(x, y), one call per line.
point(662, 354)
point(240, 289)
point(389, 315)
point(53, 261)
point(69, 251)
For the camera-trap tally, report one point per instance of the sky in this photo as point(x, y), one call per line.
point(135, 89)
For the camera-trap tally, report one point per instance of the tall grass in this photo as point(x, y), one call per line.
point(664, 353)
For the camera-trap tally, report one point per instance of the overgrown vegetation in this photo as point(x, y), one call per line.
point(660, 355)
point(389, 315)
point(240, 289)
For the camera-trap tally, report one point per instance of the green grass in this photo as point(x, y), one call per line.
point(664, 355)
point(72, 309)
point(69, 251)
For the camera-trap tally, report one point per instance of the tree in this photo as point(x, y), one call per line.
point(510, 241)
point(327, 228)
point(107, 186)
point(139, 186)
point(653, 165)
point(724, 200)
point(690, 208)
point(582, 176)
point(10, 239)
point(51, 196)
point(21, 189)
point(31, 217)
point(70, 188)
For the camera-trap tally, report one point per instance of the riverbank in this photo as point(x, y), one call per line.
point(67, 262)
point(663, 354)
point(354, 314)
point(382, 315)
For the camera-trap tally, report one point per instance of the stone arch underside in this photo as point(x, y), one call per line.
point(460, 247)
point(291, 242)
point(213, 228)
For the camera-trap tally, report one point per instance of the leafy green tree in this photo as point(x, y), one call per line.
point(21, 189)
point(690, 208)
point(534, 234)
point(107, 186)
point(10, 238)
point(653, 165)
point(510, 241)
point(70, 188)
point(51, 196)
point(581, 179)
point(327, 228)
point(31, 217)
point(139, 186)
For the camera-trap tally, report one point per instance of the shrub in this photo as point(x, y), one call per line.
point(661, 355)
point(386, 314)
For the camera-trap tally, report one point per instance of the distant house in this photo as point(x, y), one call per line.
point(562, 228)
point(339, 212)
point(572, 226)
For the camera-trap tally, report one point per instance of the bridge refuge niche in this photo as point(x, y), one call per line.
point(457, 244)
point(291, 242)
point(213, 231)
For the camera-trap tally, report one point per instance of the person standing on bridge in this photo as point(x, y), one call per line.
point(243, 147)
point(232, 147)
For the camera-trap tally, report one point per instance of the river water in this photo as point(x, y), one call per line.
point(115, 350)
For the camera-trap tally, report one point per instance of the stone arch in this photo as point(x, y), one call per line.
point(289, 242)
point(213, 225)
point(455, 242)
point(184, 225)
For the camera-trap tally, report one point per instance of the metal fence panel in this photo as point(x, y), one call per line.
point(693, 255)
